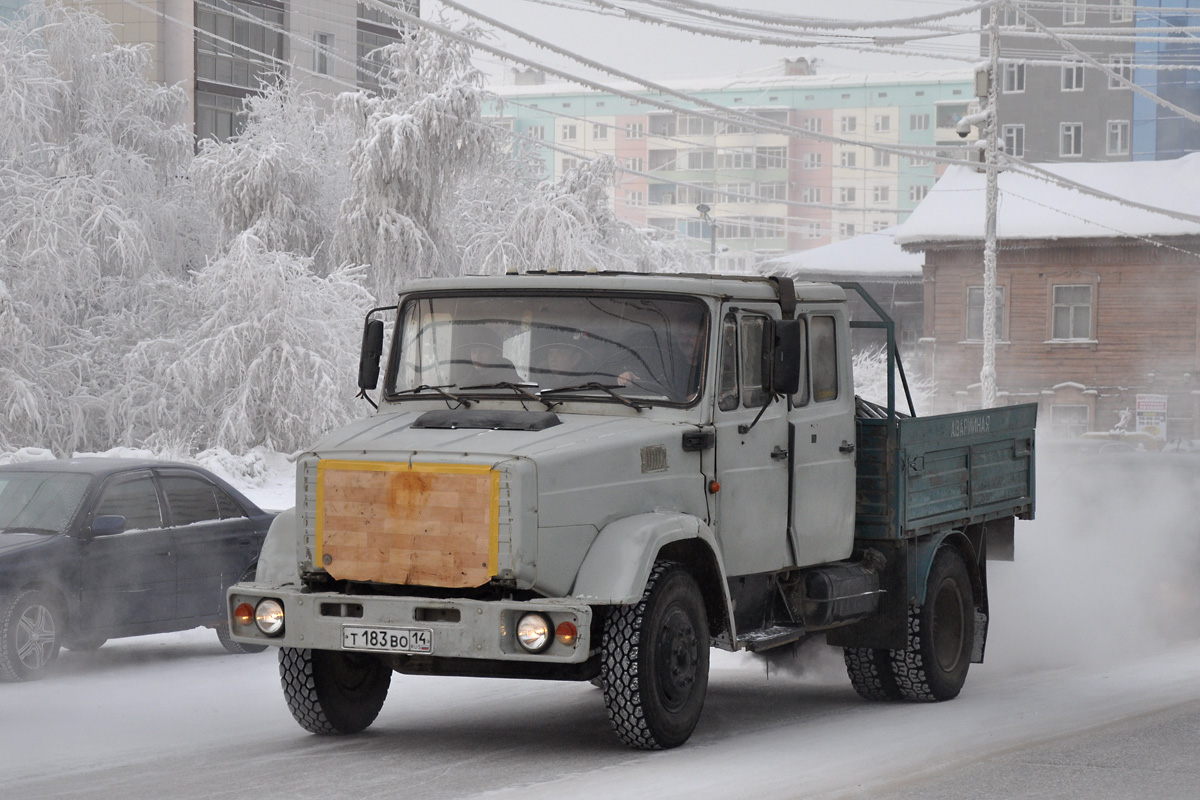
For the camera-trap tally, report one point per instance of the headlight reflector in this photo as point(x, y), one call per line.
point(268, 616)
point(535, 632)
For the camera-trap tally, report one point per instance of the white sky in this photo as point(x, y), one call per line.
point(659, 52)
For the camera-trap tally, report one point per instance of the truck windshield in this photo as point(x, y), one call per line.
point(578, 347)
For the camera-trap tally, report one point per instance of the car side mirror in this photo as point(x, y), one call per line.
point(107, 524)
point(372, 349)
point(781, 356)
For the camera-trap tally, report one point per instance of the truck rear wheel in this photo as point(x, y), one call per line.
point(329, 691)
point(655, 661)
point(871, 673)
point(933, 666)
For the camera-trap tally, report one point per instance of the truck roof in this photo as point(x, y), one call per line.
point(747, 287)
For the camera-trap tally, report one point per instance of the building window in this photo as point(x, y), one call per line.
point(1118, 137)
point(323, 53)
point(917, 193)
point(637, 164)
point(635, 199)
point(810, 194)
point(1014, 140)
point(636, 130)
point(1068, 421)
point(1074, 12)
point(883, 123)
point(849, 124)
point(701, 159)
point(975, 313)
point(919, 162)
point(1120, 11)
point(599, 130)
point(1123, 67)
point(812, 124)
point(1070, 139)
point(1011, 17)
point(880, 194)
point(569, 164)
point(739, 193)
point(1014, 78)
point(849, 158)
point(1072, 77)
point(536, 132)
point(811, 161)
point(918, 122)
point(812, 230)
point(218, 116)
point(742, 158)
point(883, 158)
point(846, 230)
point(776, 158)
point(1072, 313)
point(570, 133)
point(772, 190)
point(847, 194)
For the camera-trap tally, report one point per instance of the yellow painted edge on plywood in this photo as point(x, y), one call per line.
point(392, 466)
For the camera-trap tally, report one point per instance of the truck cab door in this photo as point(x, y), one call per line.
point(751, 457)
point(823, 466)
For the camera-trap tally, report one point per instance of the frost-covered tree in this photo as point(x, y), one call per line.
point(870, 381)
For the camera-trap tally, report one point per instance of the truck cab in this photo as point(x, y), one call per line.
point(598, 477)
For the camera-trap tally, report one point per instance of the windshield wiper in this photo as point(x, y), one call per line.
point(520, 388)
point(597, 386)
point(438, 390)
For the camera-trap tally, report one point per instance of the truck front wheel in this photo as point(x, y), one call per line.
point(330, 691)
point(933, 666)
point(655, 661)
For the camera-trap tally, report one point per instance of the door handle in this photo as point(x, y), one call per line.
point(167, 553)
point(779, 454)
point(846, 447)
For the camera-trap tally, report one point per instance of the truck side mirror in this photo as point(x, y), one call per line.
point(372, 349)
point(781, 356)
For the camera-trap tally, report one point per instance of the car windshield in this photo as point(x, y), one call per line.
point(39, 502)
point(558, 347)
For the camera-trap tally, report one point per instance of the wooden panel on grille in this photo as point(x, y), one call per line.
point(418, 525)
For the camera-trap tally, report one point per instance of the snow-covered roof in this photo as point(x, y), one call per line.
point(870, 254)
point(740, 83)
point(1032, 208)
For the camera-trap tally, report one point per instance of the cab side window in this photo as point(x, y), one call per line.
point(801, 397)
point(753, 395)
point(135, 500)
point(824, 359)
point(727, 384)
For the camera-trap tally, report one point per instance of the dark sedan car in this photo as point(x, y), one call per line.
point(93, 549)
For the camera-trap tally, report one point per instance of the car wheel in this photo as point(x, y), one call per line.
point(655, 661)
point(30, 636)
point(330, 691)
point(933, 666)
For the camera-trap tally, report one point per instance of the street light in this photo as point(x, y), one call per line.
point(712, 233)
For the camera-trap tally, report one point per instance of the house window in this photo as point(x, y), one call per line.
point(1014, 78)
point(975, 299)
point(883, 123)
point(880, 194)
point(810, 194)
point(917, 193)
point(1014, 140)
point(1120, 11)
point(849, 158)
point(849, 124)
point(570, 133)
point(599, 130)
point(635, 199)
point(846, 229)
point(811, 161)
point(1072, 313)
point(918, 122)
point(1068, 421)
point(1074, 12)
point(1118, 137)
point(883, 158)
point(812, 124)
point(322, 53)
point(636, 130)
point(1123, 67)
point(1070, 139)
point(1011, 17)
point(1072, 76)
point(846, 194)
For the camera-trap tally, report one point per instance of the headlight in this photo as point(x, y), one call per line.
point(268, 616)
point(535, 632)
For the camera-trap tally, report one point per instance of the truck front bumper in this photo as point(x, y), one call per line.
point(454, 628)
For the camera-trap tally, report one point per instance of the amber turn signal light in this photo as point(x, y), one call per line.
point(566, 633)
point(244, 614)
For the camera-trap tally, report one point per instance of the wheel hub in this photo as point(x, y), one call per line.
point(35, 637)
point(679, 657)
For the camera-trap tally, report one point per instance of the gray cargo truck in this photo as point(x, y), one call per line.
point(600, 476)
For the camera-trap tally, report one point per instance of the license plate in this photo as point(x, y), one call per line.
point(388, 640)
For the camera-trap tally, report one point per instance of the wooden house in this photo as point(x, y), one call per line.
point(1098, 299)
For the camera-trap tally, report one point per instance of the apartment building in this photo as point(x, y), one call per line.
point(1054, 106)
point(740, 191)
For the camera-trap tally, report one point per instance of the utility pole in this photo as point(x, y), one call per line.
point(712, 235)
point(987, 376)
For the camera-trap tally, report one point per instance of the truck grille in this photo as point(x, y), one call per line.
point(407, 524)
